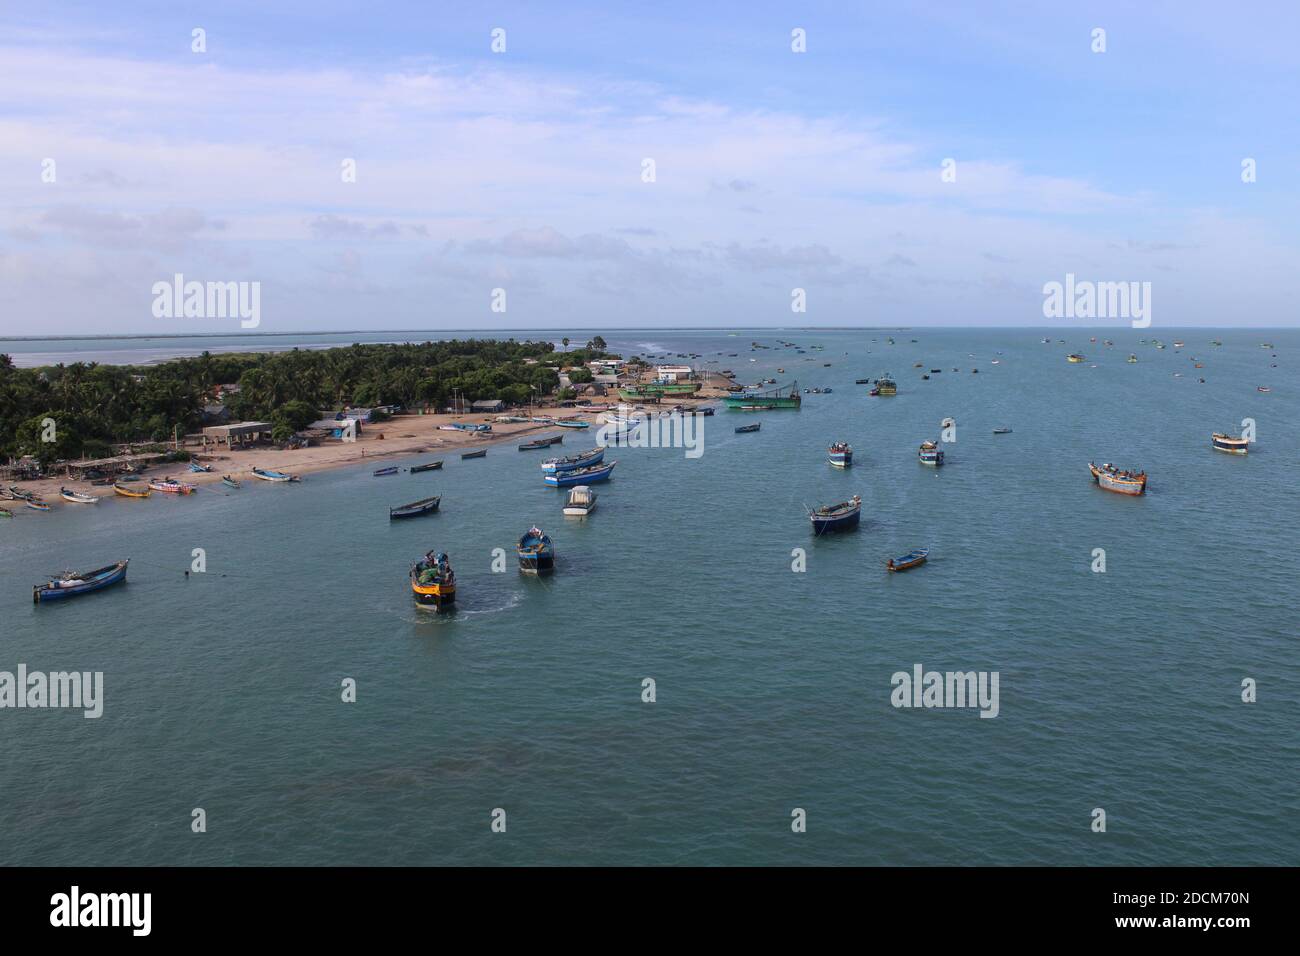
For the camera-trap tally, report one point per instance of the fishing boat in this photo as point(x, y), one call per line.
point(541, 443)
point(433, 582)
point(67, 494)
point(746, 429)
point(862, 381)
point(464, 427)
point(126, 492)
point(580, 476)
point(536, 552)
point(573, 424)
point(481, 453)
point(885, 386)
point(1233, 446)
point(839, 517)
point(7, 495)
point(6, 513)
point(427, 466)
point(171, 486)
point(1262, 388)
point(1002, 431)
point(1075, 358)
point(840, 454)
point(267, 475)
point(424, 506)
point(36, 504)
point(910, 560)
point(773, 398)
point(1178, 345)
point(558, 466)
point(1132, 359)
point(70, 584)
point(380, 472)
point(20, 495)
point(1119, 480)
point(230, 481)
point(582, 502)
point(930, 454)
point(196, 467)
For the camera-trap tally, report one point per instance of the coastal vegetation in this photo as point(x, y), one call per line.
point(93, 407)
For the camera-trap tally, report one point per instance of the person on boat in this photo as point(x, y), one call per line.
point(890, 564)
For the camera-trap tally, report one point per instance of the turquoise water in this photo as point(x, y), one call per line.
point(1118, 690)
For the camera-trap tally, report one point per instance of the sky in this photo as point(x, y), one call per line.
point(919, 163)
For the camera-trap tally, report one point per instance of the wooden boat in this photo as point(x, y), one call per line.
point(840, 517)
point(541, 443)
point(171, 486)
point(910, 560)
point(380, 472)
point(230, 482)
point(1262, 388)
point(433, 582)
point(862, 381)
point(1118, 480)
point(840, 454)
point(74, 585)
point(1233, 446)
point(268, 475)
point(6, 513)
point(196, 467)
point(481, 453)
point(930, 454)
point(885, 386)
point(1002, 431)
point(36, 504)
point(427, 466)
point(20, 495)
point(580, 476)
point(582, 502)
point(103, 482)
point(536, 552)
point(67, 494)
point(746, 429)
point(1132, 359)
point(7, 495)
point(126, 492)
point(573, 424)
point(1074, 358)
point(586, 459)
point(424, 506)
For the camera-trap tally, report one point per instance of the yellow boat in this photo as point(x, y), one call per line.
point(1076, 358)
point(130, 492)
point(433, 582)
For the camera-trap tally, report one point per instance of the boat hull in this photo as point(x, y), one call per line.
point(824, 525)
point(539, 562)
point(1232, 446)
point(95, 581)
point(560, 466)
point(435, 596)
point(581, 477)
point(431, 466)
point(415, 509)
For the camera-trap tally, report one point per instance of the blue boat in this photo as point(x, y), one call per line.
point(573, 424)
point(536, 552)
point(930, 454)
point(840, 517)
point(909, 560)
point(840, 454)
point(582, 476)
point(195, 466)
point(558, 466)
point(391, 470)
point(74, 585)
point(267, 475)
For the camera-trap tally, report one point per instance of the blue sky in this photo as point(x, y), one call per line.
point(522, 170)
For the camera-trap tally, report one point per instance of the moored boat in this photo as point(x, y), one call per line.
point(1075, 358)
point(840, 454)
point(171, 486)
point(268, 475)
point(380, 472)
point(536, 552)
point(433, 582)
point(72, 585)
point(127, 492)
point(1233, 446)
point(36, 504)
point(20, 495)
point(427, 466)
point(566, 423)
point(838, 517)
point(580, 476)
point(6, 513)
point(541, 443)
point(582, 501)
point(557, 466)
point(1002, 431)
point(230, 481)
point(930, 454)
point(773, 398)
point(67, 494)
point(885, 386)
point(1119, 480)
point(481, 453)
point(746, 429)
point(910, 560)
point(424, 506)
point(1132, 359)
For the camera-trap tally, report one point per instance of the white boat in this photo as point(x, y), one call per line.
point(582, 501)
point(67, 494)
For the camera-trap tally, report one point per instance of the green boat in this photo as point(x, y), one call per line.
point(633, 393)
point(772, 398)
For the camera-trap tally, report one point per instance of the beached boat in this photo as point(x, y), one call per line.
point(910, 560)
point(268, 475)
point(536, 552)
point(541, 443)
point(1119, 480)
point(1002, 431)
point(465, 427)
point(7, 495)
point(6, 513)
point(1233, 446)
point(127, 492)
point(433, 582)
point(885, 386)
point(582, 502)
point(73, 585)
point(930, 454)
point(171, 486)
point(838, 517)
point(573, 424)
point(230, 481)
point(427, 466)
point(556, 466)
point(1074, 358)
point(481, 453)
point(196, 467)
point(840, 454)
point(581, 476)
point(746, 429)
point(424, 506)
point(67, 494)
point(380, 472)
point(20, 495)
point(36, 504)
